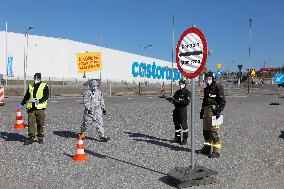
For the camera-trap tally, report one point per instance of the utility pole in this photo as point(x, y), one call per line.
point(26, 58)
point(6, 62)
point(173, 29)
point(248, 75)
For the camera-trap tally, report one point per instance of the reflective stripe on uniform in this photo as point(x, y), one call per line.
point(216, 126)
point(212, 96)
point(178, 130)
point(216, 145)
point(185, 130)
point(207, 144)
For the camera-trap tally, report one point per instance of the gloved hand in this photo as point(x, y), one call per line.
point(104, 112)
point(90, 112)
point(36, 101)
point(217, 113)
point(202, 113)
point(20, 107)
point(170, 99)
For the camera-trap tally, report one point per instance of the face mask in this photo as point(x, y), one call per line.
point(36, 81)
point(182, 86)
point(209, 82)
point(93, 87)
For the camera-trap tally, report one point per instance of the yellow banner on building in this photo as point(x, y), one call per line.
point(89, 62)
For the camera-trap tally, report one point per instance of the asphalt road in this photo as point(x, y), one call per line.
point(139, 154)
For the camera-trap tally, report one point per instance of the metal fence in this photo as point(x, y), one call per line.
point(74, 87)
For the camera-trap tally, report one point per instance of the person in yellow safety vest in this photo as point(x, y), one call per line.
point(36, 103)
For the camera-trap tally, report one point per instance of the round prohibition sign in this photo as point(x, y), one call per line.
point(191, 52)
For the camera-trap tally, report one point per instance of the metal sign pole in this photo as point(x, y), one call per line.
point(192, 123)
point(184, 177)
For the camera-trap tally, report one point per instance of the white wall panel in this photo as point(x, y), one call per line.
point(56, 57)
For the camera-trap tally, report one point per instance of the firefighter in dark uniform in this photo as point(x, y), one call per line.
point(213, 104)
point(36, 103)
point(181, 99)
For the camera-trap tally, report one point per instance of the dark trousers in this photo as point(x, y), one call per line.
point(36, 117)
point(180, 122)
point(211, 133)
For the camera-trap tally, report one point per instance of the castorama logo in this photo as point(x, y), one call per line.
point(155, 72)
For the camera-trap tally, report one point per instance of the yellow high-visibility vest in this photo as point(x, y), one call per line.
point(39, 95)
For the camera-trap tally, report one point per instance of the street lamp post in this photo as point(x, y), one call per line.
point(26, 57)
point(240, 74)
point(172, 78)
point(248, 75)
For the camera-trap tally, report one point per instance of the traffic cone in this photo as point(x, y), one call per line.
point(80, 154)
point(19, 120)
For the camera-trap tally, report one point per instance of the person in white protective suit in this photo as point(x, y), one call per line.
point(94, 110)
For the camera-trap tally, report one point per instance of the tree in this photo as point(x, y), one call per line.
point(282, 69)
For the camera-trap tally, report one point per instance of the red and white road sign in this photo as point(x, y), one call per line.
point(191, 52)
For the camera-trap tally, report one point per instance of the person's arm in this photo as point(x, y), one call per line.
point(87, 100)
point(102, 103)
point(45, 94)
point(26, 98)
point(187, 98)
point(202, 107)
point(221, 99)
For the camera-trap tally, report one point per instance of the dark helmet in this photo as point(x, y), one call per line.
point(210, 74)
point(182, 82)
point(37, 76)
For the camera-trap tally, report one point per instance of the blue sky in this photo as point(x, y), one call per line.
point(125, 24)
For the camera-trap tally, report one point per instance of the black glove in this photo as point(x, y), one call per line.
point(202, 113)
point(104, 112)
point(90, 112)
point(170, 99)
point(217, 113)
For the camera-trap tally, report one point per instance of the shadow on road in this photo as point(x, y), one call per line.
point(13, 136)
point(69, 155)
point(65, 134)
point(165, 179)
point(282, 135)
point(122, 161)
point(156, 141)
point(140, 135)
point(69, 134)
point(166, 145)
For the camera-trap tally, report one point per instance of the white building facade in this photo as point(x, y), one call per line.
point(56, 58)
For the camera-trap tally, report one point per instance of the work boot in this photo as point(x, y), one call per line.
point(204, 151)
point(104, 139)
point(176, 140)
point(183, 142)
point(185, 136)
point(40, 141)
point(81, 136)
point(214, 155)
point(29, 141)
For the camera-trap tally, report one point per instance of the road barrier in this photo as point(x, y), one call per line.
point(2, 97)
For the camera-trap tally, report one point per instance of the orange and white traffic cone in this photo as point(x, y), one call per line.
point(19, 120)
point(80, 154)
